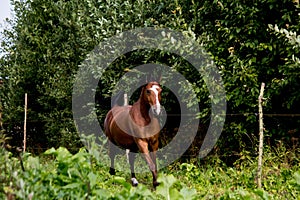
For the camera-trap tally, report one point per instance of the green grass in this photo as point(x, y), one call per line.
point(58, 174)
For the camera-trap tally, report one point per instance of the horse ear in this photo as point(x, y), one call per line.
point(159, 77)
point(149, 78)
point(146, 79)
point(152, 78)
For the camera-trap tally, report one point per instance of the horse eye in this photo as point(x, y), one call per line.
point(148, 91)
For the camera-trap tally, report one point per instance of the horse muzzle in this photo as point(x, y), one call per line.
point(156, 110)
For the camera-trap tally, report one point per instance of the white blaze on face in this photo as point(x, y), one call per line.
point(156, 107)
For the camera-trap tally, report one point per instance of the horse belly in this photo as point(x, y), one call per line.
point(117, 129)
point(121, 138)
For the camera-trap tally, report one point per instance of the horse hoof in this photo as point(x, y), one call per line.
point(134, 182)
point(112, 171)
point(155, 184)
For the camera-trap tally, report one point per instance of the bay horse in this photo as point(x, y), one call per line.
point(136, 127)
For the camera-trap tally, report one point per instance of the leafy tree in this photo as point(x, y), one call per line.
point(50, 39)
point(248, 52)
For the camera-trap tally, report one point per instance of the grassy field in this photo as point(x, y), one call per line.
point(58, 174)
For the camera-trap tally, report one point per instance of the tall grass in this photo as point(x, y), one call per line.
point(58, 174)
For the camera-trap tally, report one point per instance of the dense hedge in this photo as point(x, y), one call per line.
point(250, 42)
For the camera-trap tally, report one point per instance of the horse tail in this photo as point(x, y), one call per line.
point(118, 99)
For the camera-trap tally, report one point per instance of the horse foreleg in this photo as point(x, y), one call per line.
point(143, 147)
point(131, 163)
point(153, 157)
point(153, 147)
point(152, 166)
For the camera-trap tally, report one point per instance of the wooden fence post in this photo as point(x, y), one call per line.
point(1, 123)
point(25, 123)
point(125, 99)
point(261, 135)
point(126, 104)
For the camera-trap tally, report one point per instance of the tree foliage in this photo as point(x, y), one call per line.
point(250, 42)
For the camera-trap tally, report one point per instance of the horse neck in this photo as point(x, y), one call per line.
point(141, 108)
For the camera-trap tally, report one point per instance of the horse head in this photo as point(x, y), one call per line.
point(152, 95)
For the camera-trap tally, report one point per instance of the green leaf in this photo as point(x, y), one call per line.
point(121, 181)
point(263, 194)
point(188, 193)
point(174, 194)
point(297, 177)
point(33, 162)
point(72, 186)
point(51, 151)
point(63, 154)
point(93, 179)
point(166, 182)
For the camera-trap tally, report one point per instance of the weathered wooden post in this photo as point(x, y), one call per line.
point(25, 123)
point(261, 135)
point(1, 122)
point(125, 99)
point(126, 104)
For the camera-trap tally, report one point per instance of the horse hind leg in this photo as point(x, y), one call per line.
point(112, 155)
point(134, 182)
